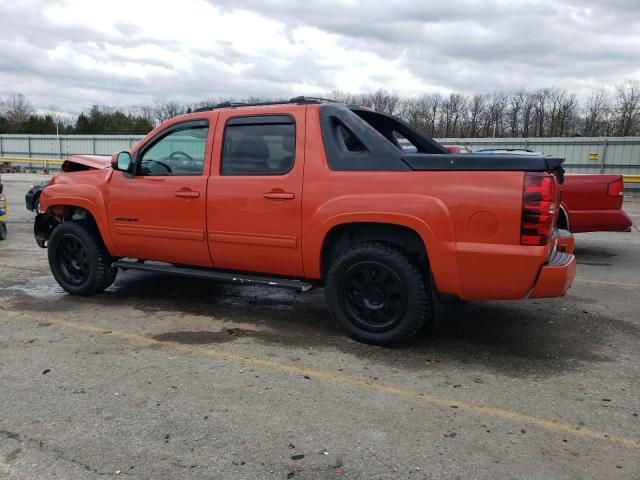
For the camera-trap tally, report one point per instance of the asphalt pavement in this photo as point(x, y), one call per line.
point(171, 378)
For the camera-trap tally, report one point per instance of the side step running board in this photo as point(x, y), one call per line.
point(221, 276)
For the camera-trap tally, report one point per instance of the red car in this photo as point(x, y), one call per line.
point(590, 203)
point(593, 203)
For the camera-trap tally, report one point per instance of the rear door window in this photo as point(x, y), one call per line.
point(258, 146)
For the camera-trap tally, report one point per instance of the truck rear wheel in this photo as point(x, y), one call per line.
point(377, 295)
point(78, 259)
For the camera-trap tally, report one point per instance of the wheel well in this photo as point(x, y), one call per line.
point(71, 213)
point(563, 220)
point(46, 222)
point(345, 236)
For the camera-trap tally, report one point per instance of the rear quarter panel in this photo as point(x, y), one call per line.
point(468, 221)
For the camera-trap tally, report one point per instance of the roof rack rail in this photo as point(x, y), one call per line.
point(299, 100)
point(303, 99)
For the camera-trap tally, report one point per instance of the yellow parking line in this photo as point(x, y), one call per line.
point(4, 265)
point(551, 425)
point(615, 284)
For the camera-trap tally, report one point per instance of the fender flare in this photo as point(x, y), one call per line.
point(87, 197)
point(427, 216)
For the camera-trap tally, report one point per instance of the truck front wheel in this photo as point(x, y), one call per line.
point(78, 259)
point(377, 295)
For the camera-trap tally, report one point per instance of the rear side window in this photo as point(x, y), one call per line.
point(403, 143)
point(258, 146)
point(350, 141)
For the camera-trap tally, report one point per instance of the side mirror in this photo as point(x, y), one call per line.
point(122, 161)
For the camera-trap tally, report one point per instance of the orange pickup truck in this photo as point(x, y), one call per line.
point(309, 193)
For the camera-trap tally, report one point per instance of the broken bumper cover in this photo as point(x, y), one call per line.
point(565, 241)
point(558, 273)
point(42, 228)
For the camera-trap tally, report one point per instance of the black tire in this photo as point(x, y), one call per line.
point(3, 230)
point(79, 260)
point(376, 295)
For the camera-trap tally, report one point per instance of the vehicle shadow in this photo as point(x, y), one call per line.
point(516, 338)
point(597, 256)
point(533, 337)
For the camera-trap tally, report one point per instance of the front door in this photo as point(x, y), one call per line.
point(159, 212)
point(255, 192)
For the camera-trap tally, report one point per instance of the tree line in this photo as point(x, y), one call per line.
point(17, 115)
point(544, 112)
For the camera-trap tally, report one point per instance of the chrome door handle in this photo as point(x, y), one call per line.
point(186, 193)
point(280, 195)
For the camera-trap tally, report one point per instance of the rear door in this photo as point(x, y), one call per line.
point(255, 192)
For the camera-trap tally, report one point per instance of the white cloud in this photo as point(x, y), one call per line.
point(75, 53)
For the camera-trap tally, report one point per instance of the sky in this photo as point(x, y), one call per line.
point(72, 54)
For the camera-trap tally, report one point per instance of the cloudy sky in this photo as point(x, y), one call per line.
point(74, 53)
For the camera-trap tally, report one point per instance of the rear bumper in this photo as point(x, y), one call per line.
point(581, 221)
point(556, 275)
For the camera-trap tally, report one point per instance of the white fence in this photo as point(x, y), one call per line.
point(583, 155)
point(52, 146)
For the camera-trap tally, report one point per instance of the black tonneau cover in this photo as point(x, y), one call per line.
point(485, 162)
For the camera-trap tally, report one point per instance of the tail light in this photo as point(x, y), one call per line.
point(453, 149)
point(616, 188)
point(539, 206)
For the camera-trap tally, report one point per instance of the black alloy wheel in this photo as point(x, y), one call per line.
point(373, 295)
point(377, 295)
point(73, 260)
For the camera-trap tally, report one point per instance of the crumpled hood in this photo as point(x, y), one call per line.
point(77, 163)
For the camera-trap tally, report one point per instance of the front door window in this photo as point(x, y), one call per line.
point(179, 153)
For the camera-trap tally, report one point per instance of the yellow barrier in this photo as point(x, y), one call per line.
point(631, 178)
point(50, 161)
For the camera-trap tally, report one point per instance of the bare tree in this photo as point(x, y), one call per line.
point(477, 112)
point(147, 112)
point(414, 110)
point(539, 101)
point(543, 112)
point(164, 110)
point(17, 109)
point(595, 113)
point(628, 108)
point(561, 112)
point(493, 124)
point(381, 100)
point(453, 111)
point(433, 104)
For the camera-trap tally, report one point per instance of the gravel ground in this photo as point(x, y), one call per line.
point(167, 378)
